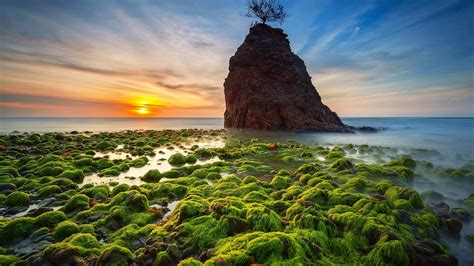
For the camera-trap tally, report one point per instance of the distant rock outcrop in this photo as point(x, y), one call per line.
point(268, 87)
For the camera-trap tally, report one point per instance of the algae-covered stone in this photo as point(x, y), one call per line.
point(65, 229)
point(17, 198)
point(342, 164)
point(115, 255)
point(49, 191)
point(191, 159)
point(17, 228)
point(152, 176)
point(50, 219)
point(177, 159)
point(75, 175)
point(77, 203)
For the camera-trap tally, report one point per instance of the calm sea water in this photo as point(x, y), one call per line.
point(447, 135)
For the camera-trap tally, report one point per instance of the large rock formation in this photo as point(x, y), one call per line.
point(268, 87)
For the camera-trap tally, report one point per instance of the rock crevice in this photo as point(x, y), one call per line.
point(268, 87)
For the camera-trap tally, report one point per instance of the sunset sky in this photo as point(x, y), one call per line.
point(170, 58)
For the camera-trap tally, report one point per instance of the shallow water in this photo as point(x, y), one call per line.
point(158, 162)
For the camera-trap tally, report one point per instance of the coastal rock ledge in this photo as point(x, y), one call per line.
point(269, 88)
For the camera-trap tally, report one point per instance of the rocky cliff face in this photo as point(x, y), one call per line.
point(268, 87)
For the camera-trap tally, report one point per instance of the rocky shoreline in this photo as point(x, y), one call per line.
point(206, 197)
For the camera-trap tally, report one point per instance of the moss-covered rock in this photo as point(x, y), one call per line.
point(77, 203)
point(65, 229)
point(50, 219)
point(152, 176)
point(17, 198)
point(177, 159)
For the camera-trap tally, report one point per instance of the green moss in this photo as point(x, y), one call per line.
point(87, 161)
point(405, 161)
point(190, 262)
point(139, 162)
point(395, 193)
point(177, 159)
point(103, 163)
point(65, 229)
point(8, 259)
point(190, 207)
point(75, 175)
point(341, 165)
point(82, 244)
point(17, 228)
point(49, 191)
point(137, 202)
point(334, 155)
point(344, 198)
point(202, 232)
point(50, 219)
point(152, 176)
point(8, 170)
point(111, 171)
point(391, 252)
point(427, 223)
point(120, 188)
point(307, 169)
point(106, 145)
point(17, 198)
point(115, 255)
point(100, 192)
point(200, 173)
point(77, 203)
point(280, 182)
point(261, 218)
point(191, 159)
point(203, 153)
point(265, 248)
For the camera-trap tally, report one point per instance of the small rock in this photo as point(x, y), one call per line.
point(453, 226)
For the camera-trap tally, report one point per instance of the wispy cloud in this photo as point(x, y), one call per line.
point(365, 57)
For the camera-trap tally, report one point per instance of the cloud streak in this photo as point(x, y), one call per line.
point(366, 57)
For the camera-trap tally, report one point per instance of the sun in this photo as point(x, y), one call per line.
point(142, 110)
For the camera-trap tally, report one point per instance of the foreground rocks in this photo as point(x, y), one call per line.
point(268, 87)
point(256, 202)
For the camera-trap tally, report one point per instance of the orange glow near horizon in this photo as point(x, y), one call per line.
point(142, 110)
point(144, 107)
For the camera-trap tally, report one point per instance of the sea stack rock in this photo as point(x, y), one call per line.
point(268, 87)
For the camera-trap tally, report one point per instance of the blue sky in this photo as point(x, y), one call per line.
point(110, 58)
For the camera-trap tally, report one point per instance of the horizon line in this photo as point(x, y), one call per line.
point(211, 117)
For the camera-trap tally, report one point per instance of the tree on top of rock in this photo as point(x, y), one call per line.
point(266, 11)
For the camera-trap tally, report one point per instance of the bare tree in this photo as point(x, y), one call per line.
point(266, 11)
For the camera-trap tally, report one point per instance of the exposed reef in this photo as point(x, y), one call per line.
point(241, 202)
point(268, 87)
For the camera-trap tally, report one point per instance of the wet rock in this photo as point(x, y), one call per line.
point(441, 208)
point(115, 255)
point(268, 87)
point(39, 211)
point(461, 214)
point(453, 225)
point(6, 188)
point(14, 210)
point(429, 253)
point(36, 242)
point(65, 255)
